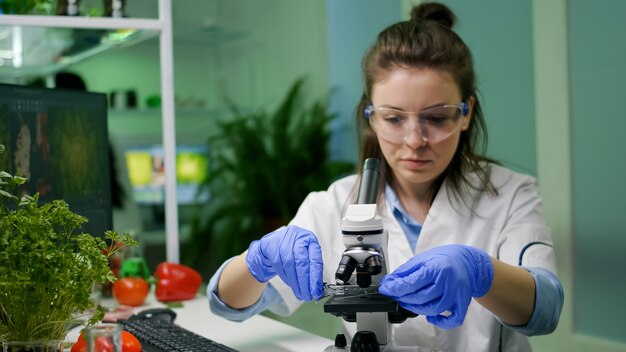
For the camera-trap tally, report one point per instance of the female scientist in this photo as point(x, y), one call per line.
point(468, 248)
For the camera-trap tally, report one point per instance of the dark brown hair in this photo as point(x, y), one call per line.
point(428, 41)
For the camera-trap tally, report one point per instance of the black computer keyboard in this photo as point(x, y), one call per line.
point(158, 335)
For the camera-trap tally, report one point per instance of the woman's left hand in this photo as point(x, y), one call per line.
point(440, 283)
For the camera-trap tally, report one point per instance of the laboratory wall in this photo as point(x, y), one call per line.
point(597, 53)
point(347, 42)
point(578, 74)
point(499, 34)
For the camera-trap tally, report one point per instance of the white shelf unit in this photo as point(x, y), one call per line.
point(162, 25)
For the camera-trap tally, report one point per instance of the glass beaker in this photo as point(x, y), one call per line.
point(104, 337)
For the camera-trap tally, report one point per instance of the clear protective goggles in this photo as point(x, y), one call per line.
point(433, 124)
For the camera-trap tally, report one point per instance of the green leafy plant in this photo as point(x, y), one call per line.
point(262, 166)
point(22, 7)
point(47, 267)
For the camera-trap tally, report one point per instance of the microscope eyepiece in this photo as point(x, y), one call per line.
point(368, 189)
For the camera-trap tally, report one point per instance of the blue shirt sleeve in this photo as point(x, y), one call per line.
point(548, 304)
point(270, 299)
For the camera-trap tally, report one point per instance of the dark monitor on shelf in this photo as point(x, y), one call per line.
point(58, 139)
point(147, 174)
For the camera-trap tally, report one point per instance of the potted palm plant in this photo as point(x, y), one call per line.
point(261, 167)
point(47, 269)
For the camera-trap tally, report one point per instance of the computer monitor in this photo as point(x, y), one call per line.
point(147, 173)
point(58, 139)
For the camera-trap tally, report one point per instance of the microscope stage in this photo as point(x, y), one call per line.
point(359, 304)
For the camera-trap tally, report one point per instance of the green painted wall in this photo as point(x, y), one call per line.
point(598, 73)
point(579, 51)
point(503, 56)
point(347, 42)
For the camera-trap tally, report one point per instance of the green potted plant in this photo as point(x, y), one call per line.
point(24, 7)
point(261, 167)
point(47, 269)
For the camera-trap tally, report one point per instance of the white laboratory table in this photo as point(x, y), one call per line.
point(258, 334)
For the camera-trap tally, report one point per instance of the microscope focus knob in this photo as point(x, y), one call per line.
point(364, 341)
point(340, 341)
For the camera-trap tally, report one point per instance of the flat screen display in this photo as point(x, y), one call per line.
point(146, 172)
point(58, 139)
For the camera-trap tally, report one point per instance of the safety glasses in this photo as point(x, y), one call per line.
point(432, 125)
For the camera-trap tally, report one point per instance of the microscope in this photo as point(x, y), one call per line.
point(354, 296)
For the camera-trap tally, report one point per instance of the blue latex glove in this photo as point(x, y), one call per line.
point(292, 253)
point(441, 279)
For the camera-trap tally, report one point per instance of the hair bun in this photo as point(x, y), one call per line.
point(434, 11)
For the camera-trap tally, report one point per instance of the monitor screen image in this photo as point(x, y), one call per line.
point(58, 140)
point(146, 172)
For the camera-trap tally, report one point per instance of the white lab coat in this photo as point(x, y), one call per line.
point(508, 226)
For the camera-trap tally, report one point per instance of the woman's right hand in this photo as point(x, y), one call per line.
point(292, 253)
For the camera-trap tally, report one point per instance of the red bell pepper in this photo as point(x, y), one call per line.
point(176, 282)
